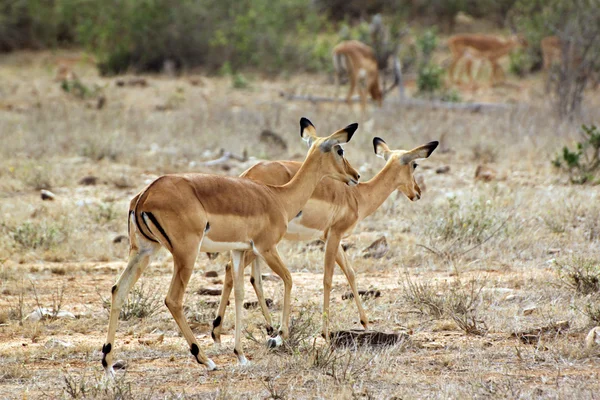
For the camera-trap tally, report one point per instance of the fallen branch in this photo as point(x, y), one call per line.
point(226, 156)
point(409, 102)
point(358, 338)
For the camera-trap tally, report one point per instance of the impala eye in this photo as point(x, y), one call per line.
point(415, 165)
point(340, 151)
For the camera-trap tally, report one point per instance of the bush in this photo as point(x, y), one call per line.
point(581, 275)
point(429, 78)
point(143, 34)
point(35, 24)
point(583, 162)
point(33, 236)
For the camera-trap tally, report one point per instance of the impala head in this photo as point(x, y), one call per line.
point(330, 152)
point(405, 163)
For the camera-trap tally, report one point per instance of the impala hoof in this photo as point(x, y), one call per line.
point(210, 365)
point(274, 342)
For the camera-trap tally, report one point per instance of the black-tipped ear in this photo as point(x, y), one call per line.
point(350, 129)
point(376, 142)
point(305, 123)
point(431, 146)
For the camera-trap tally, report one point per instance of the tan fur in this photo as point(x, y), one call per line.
point(335, 209)
point(487, 47)
point(552, 54)
point(186, 212)
point(358, 61)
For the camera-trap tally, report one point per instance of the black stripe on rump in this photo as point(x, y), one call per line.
point(137, 222)
point(160, 229)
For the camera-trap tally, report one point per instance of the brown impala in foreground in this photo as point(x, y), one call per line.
point(187, 213)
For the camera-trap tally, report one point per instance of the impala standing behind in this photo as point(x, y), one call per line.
point(486, 47)
point(332, 213)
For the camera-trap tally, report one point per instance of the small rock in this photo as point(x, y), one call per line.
point(47, 195)
point(155, 340)
point(377, 249)
point(254, 304)
point(89, 180)
point(141, 82)
point(196, 82)
point(55, 343)
point(593, 338)
point(270, 277)
point(42, 313)
point(362, 293)
point(272, 139)
point(433, 345)
point(100, 102)
point(120, 239)
point(211, 274)
point(529, 310)
point(442, 170)
point(120, 364)
point(209, 292)
point(553, 251)
point(484, 173)
point(510, 297)
point(347, 245)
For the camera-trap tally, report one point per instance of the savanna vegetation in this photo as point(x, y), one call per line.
point(492, 276)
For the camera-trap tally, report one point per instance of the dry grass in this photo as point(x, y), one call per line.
point(478, 253)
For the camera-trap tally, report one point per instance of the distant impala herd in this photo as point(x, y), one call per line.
point(249, 215)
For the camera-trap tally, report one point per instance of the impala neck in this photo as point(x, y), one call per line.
point(373, 192)
point(296, 193)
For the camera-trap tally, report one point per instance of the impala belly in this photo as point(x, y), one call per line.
point(210, 246)
point(297, 231)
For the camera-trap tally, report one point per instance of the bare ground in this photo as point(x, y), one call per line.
point(501, 246)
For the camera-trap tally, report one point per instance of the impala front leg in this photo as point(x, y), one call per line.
point(342, 260)
point(273, 260)
point(331, 248)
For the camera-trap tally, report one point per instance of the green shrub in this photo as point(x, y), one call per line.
point(583, 162)
point(429, 78)
point(35, 24)
point(520, 63)
point(45, 236)
point(142, 34)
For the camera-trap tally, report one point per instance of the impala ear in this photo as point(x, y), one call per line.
point(381, 148)
point(419, 152)
point(308, 133)
point(339, 137)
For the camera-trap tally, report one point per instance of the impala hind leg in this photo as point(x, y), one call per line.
point(184, 258)
point(238, 292)
point(342, 260)
point(138, 261)
point(218, 321)
point(273, 260)
point(227, 286)
point(256, 281)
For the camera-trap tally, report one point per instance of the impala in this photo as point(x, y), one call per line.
point(487, 47)
point(331, 213)
point(187, 213)
point(552, 54)
point(359, 62)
